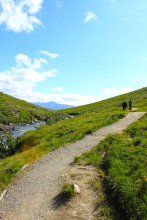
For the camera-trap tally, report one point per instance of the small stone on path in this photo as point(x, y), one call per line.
point(76, 188)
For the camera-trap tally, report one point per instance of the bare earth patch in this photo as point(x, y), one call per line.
point(81, 206)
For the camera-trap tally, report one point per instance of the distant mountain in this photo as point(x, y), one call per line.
point(52, 105)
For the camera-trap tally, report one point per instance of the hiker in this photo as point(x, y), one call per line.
point(130, 104)
point(124, 105)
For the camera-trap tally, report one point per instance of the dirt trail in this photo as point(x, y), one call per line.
point(30, 198)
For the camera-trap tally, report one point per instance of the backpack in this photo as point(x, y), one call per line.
point(130, 102)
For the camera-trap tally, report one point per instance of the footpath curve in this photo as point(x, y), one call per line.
point(30, 198)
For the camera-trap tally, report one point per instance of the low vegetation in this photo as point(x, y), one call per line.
point(53, 120)
point(139, 98)
point(122, 163)
point(13, 110)
point(67, 190)
point(123, 166)
point(34, 144)
point(126, 170)
point(7, 144)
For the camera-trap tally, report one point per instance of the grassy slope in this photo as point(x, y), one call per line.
point(13, 110)
point(124, 172)
point(123, 169)
point(126, 165)
point(139, 98)
point(46, 138)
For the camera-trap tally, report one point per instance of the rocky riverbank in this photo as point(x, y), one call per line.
point(13, 128)
point(7, 128)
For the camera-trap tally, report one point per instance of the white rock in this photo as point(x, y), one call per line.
point(2, 195)
point(76, 188)
point(26, 165)
point(65, 174)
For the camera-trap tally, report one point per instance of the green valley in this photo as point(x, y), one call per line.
point(123, 168)
point(13, 110)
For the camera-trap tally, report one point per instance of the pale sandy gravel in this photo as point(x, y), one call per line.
point(30, 198)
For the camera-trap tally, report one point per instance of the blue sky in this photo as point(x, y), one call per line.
point(72, 51)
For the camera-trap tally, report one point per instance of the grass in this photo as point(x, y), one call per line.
point(48, 138)
point(67, 190)
point(90, 118)
point(126, 170)
point(139, 98)
point(123, 172)
point(13, 110)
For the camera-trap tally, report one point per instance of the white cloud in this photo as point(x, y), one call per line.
point(19, 15)
point(23, 59)
point(54, 71)
point(90, 16)
point(19, 81)
point(43, 60)
point(109, 91)
point(69, 99)
point(115, 91)
point(59, 89)
point(125, 90)
point(59, 4)
point(51, 55)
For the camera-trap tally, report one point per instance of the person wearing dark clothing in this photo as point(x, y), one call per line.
point(124, 105)
point(130, 104)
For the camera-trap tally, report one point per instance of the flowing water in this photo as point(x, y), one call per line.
point(21, 129)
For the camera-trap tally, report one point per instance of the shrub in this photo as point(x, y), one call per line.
point(67, 190)
point(77, 159)
point(7, 145)
point(55, 119)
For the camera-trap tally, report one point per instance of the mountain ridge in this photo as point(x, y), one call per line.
point(52, 105)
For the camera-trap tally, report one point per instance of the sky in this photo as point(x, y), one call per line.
point(72, 51)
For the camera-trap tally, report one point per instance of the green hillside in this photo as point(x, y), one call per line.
point(139, 98)
point(13, 110)
point(127, 184)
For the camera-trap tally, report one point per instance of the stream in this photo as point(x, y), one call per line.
point(21, 129)
point(18, 130)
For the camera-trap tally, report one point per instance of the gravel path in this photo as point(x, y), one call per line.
point(30, 198)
